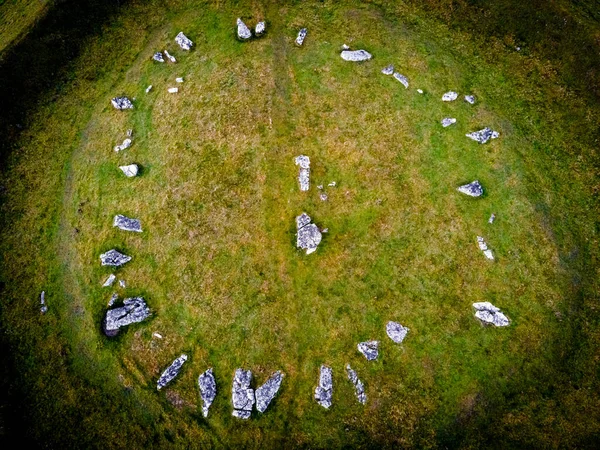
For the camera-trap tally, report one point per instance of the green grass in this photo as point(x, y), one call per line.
point(16, 19)
point(216, 262)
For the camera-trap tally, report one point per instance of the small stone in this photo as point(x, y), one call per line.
point(304, 173)
point(308, 235)
point(171, 372)
point(474, 189)
point(110, 280)
point(148, 89)
point(301, 36)
point(113, 299)
point(129, 133)
point(332, 184)
point(446, 122)
point(320, 187)
point(114, 258)
point(242, 395)
point(268, 391)
point(358, 385)
point(157, 335)
point(243, 32)
point(158, 56)
point(402, 79)
point(130, 171)
point(173, 90)
point(122, 284)
point(126, 144)
point(171, 57)
point(355, 55)
point(484, 248)
point(127, 224)
point(370, 349)
point(44, 309)
point(208, 390)
point(134, 310)
point(488, 313)
point(345, 47)
point(488, 254)
point(324, 389)
point(420, 91)
point(43, 298)
point(449, 96)
point(470, 99)
point(260, 28)
point(179, 80)
point(323, 196)
point(184, 42)
point(492, 218)
point(482, 136)
point(122, 103)
point(396, 332)
point(325, 230)
point(388, 70)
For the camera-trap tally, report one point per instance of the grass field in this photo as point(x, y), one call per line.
point(217, 261)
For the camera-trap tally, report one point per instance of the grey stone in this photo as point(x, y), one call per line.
point(484, 248)
point(126, 144)
point(332, 184)
point(113, 299)
point(179, 80)
point(482, 136)
point(449, 96)
point(474, 189)
point(122, 283)
point(43, 307)
point(129, 133)
point(268, 391)
point(173, 90)
point(488, 313)
point(388, 70)
point(402, 79)
point(355, 55)
point(134, 310)
point(171, 372)
point(171, 57)
point(446, 122)
point(110, 280)
point(184, 42)
point(345, 47)
point(260, 28)
point(320, 187)
point(148, 89)
point(396, 332)
point(301, 36)
point(308, 234)
point(492, 218)
point(243, 32)
point(358, 385)
point(242, 395)
point(114, 258)
point(420, 91)
point(130, 170)
point(370, 349)
point(158, 56)
point(304, 173)
point(323, 196)
point(208, 389)
point(324, 389)
point(470, 99)
point(122, 103)
point(127, 224)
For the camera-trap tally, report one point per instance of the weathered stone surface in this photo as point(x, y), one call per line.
point(470, 99)
point(355, 55)
point(127, 224)
point(208, 389)
point(134, 310)
point(308, 235)
point(268, 391)
point(482, 136)
point(184, 42)
point(173, 90)
point(402, 79)
point(396, 332)
point(370, 349)
point(171, 57)
point(126, 144)
point(388, 70)
point(242, 395)
point(492, 218)
point(488, 313)
point(114, 258)
point(304, 173)
point(301, 36)
point(484, 248)
point(447, 121)
point(171, 372)
point(243, 32)
point(260, 28)
point(358, 385)
point(158, 56)
point(324, 390)
point(449, 96)
point(130, 170)
point(474, 189)
point(110, 280)
point(122, 103)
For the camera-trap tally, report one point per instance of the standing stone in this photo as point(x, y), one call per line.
point(449, 96)
point(482, 136)
point(488, 313)
point(243, 32)
point(130, 171)
point(134, 310)
point(304, 173)
point(370, 349)
point(470, 99)
point(260, 28)
point(301, 36)
point(324, 390)
point(158, 56)
point(356, 55)
point(171, 372)
point(396, 332)
point(308, 234)
point(446, 122)
point(208, 389)
point(388, 70)
point(183, 41)
point(114, 258)
point(474, 189)
point(127, 224)
point(358, 385)
point(110, 280)
point(242, 395)
point(402, 79)
point(268, 391)
point(122, 103)
point(171, 57)
point(126, 144)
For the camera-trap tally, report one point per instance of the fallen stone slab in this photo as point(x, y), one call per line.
point(173, 90)
point(474, 189)
point(171, 372)
point(358, 385)
point(158, 56)
point(179, 80)
point(127, 224)
point(388, 70)
point(308, 234)
point(260, 28)
point(243, 32)
point(130, 170)
point(126, 144)
point(396, 332)
point(110, 280)
point(402, 79)
point(242, 395)
point(355, 55)
point(324, 390)
point(114, 258)
point(171, 57)
point(470, 99)
point(304, 172)
point(450, 96)
point(122, 103)
point(208, 389)
point(184, 42)
point(134, 310)
point(268, 391)
point(488, 313)
point(446, 122)
point(484, 248)
point(301, 36)
point(369, 349)
point(482, 136)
